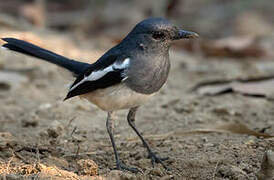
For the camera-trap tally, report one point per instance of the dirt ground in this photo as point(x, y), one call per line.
point(42, 137)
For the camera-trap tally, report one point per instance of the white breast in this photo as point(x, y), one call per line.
point(116, 97)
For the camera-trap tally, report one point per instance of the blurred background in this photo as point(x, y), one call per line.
point(213, 118)
point(104, 22)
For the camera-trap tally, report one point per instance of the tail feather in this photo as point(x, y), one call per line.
point(32, 50)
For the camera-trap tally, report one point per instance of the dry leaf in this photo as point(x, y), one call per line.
point(231, 127)
point(234, 127)
point(214, 89)
point(259, 88)
point(264, 88)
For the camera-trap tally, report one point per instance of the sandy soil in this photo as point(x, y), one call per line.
point(43, 137)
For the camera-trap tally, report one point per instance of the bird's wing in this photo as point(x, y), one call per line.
point(105, 72)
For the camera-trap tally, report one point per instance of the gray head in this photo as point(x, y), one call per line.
point(149, 68)
point(157, 32)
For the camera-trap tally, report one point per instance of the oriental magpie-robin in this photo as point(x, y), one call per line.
point(124, 77)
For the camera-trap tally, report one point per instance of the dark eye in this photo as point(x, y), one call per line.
point(158, 35)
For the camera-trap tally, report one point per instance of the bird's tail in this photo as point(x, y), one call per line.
point(24, 47)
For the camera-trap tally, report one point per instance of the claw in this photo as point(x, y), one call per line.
point(122, 167)
point(156, 159)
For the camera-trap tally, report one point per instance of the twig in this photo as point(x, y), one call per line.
point(11, 159)
point(77, 152)
point(30, 149)
point(21, 157)
point(215, 170)
point(89, 153)
point(70, 121)
point(37, 154)
point(226, 81)
point(73, 131)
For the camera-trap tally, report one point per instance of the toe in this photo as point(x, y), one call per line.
point(123, 167)
point(156, 159)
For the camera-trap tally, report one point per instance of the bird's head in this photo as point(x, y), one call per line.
point(157, 32)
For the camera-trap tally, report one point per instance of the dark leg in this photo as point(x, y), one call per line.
point(110, 128)
point(151, 155)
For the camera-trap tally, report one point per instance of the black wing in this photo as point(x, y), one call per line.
point(108, 79)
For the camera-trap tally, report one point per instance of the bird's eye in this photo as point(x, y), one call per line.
point(158, 35)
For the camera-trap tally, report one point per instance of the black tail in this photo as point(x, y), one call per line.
point(27, 48)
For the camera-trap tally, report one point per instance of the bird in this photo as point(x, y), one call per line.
point(125, 77)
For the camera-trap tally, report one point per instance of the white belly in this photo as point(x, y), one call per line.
point(116, 97)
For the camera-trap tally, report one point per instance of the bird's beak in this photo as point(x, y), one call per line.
point(186, 34)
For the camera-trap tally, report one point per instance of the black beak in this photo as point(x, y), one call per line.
point(186, 35)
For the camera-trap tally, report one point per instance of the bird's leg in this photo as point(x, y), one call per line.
point(110, 128)
point(131, 121)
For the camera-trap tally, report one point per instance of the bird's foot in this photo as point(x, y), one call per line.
point(122, 167)
point(157, 159)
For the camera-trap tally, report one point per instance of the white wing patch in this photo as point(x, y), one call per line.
point(4, 48)
point(122, 65)
point(95, 75)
